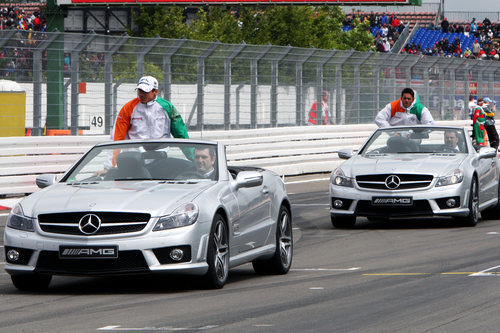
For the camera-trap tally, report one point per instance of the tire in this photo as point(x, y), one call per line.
point(31, 282)
point(217, 254)
point(340, 221)
point(493, 213)
point(473, 217)
point(281, 261)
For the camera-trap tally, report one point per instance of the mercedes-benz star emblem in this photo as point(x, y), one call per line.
point(392, 182)
point(89, 224)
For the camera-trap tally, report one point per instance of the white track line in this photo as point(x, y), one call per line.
point(485, 272)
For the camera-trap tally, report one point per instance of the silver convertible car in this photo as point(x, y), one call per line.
point(416, 171)
point(168, 206)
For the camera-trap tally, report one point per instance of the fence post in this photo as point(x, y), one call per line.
point(201, 84)
point(108, 82)
point(339, 85)
point(145, 50)
point(167, 69)
point(319, 86)
point(75, 78)
point(253, 87)
point(37, 82)
point(299, 89)
point(227, 85)
point(273, 116)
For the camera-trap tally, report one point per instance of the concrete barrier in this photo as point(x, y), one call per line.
point(285, 150)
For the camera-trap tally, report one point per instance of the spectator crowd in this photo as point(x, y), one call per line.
point(485, 46)
point(386, 28)
point(15, 17)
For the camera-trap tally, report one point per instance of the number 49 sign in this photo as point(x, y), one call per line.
point(96, 121)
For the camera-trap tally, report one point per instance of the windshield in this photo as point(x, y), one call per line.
point(416, 140)
point(147, 161)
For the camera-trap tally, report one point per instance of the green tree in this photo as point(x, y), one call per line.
point(301, 26)
point(167, 22)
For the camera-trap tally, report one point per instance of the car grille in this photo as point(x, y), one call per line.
point(110, 223)
point(419, 208)
point(406, 181)
point(127, 262)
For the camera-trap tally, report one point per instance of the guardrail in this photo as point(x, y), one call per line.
point(285, 150)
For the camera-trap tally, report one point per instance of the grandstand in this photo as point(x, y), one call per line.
point(427, 38)
point(424, 19)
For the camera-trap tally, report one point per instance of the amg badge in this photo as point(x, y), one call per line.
point(392, 201)
point(93, 252)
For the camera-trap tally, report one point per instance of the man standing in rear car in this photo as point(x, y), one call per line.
point(405, 111)
point(147, 117)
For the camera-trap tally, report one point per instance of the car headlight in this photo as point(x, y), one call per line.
point(339, 178)
point(17, 220)
point(454, 177)
point(181, 217)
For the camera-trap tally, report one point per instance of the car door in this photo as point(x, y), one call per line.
point(488, 178)
point(255, 216)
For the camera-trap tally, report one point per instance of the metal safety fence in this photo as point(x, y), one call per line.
point(78, 82)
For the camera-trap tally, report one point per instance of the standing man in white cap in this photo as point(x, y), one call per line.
point(148, 116)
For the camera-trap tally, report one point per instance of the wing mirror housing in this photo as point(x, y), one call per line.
point(45, 180)
point(487, 152)
point(345, 153)
point(248, 179)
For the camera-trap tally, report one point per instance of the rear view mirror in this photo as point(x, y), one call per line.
point(45, 180)
point(345, 153)
point(249, 179)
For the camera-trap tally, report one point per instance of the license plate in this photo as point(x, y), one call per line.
point(91, 252)
point(392, 201)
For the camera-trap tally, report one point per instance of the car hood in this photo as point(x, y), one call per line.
point(155, 198)
point(432, 164)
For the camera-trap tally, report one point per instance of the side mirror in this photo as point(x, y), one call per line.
point(45, 180)
point(487, 152)
point(248, 179)
point(345, 153)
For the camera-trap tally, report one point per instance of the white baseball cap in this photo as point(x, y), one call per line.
point(147, 83)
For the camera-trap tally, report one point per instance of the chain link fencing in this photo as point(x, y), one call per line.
point(78, 82)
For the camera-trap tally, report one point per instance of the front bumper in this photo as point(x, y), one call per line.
point(145, 253)
point(424, 202)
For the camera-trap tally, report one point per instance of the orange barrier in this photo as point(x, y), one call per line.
point(52, 132)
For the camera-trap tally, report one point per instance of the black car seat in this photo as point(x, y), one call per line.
point(130, 165)
point(398, 144)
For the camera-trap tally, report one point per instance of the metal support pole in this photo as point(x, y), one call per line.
point(451, 97)
point(115, 97)
point(339, 87)
point(145, 50)
point(254, 85)
point(75, 78)
point(167, 69)
point(108, 81)
point(274, 87)
point(441, 91)
point(237, 120)
point(465, 111)
point(37, 82)
point(376, 84)
point(200, 111)
point(65, 101)
point(299, 90)
point(319, 87)
point(227, 85)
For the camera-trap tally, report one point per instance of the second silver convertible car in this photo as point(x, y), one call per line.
point(416, 171)
point(170, 206)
